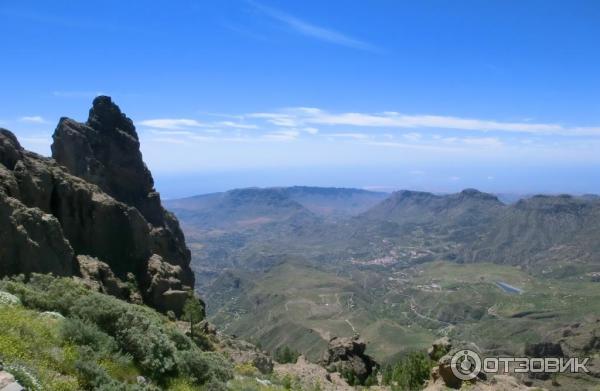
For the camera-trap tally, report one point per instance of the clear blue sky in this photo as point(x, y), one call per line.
point(435, 95)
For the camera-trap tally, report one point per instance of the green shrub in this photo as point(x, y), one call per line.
point(410, 373)
point(147, 343)
point(286, 355)
point(92, 376)
point(79, 332)
point(203, 367)
point(109, 335)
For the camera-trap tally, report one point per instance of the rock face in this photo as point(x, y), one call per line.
point(347, 356)
point(98, 276)
point(95, 199)
point(33, 238)
point(105, 151)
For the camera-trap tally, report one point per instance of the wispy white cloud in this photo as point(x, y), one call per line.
point(35, 119)
point(307, 116)
point(489, 142)
point(172, 132)
point(433, 147)
point(354, 136)
point(317, 32)
point(310, 130)
point(282, 135)
point(379, 133)
point(413, 136)
point(169, 140)
point(237, 125)
point(187, 123)
point(279, 119)
point(171, 123)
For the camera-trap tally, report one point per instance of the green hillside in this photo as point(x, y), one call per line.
point(412, 268)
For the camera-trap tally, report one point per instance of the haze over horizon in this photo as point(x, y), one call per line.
point(502, 97)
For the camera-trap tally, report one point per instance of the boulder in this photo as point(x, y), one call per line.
point(99, 276)
point(164, 286)
point(439, 348)
point(347, 356)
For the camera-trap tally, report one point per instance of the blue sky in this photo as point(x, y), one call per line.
point(433, 95)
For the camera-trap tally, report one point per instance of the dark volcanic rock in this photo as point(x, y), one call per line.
point(32, 241)
point(106, 151)
point(163, 285)
point(92, 212)
point(347, 356)
point(10, 149)
point(99, 276)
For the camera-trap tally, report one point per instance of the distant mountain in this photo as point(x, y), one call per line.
point(237, 209)
point(543, 229)
point(511, 198)
point(465, 208)
point(334, 201)
point(479, 228)
point(262, 205)
point(255, 225)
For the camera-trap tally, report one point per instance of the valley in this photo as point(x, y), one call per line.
point(402, 272)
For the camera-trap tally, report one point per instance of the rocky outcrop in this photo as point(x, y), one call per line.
point(106, 151)
point(347, 356)
point(242, 352)
point(312, 376)
point(98, 276)
point(33, 239)
point(95, 199)
point(163, 285)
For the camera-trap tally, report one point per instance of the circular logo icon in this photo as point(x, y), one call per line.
point(466, 364)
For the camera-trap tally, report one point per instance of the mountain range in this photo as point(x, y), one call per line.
point(401, 269)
